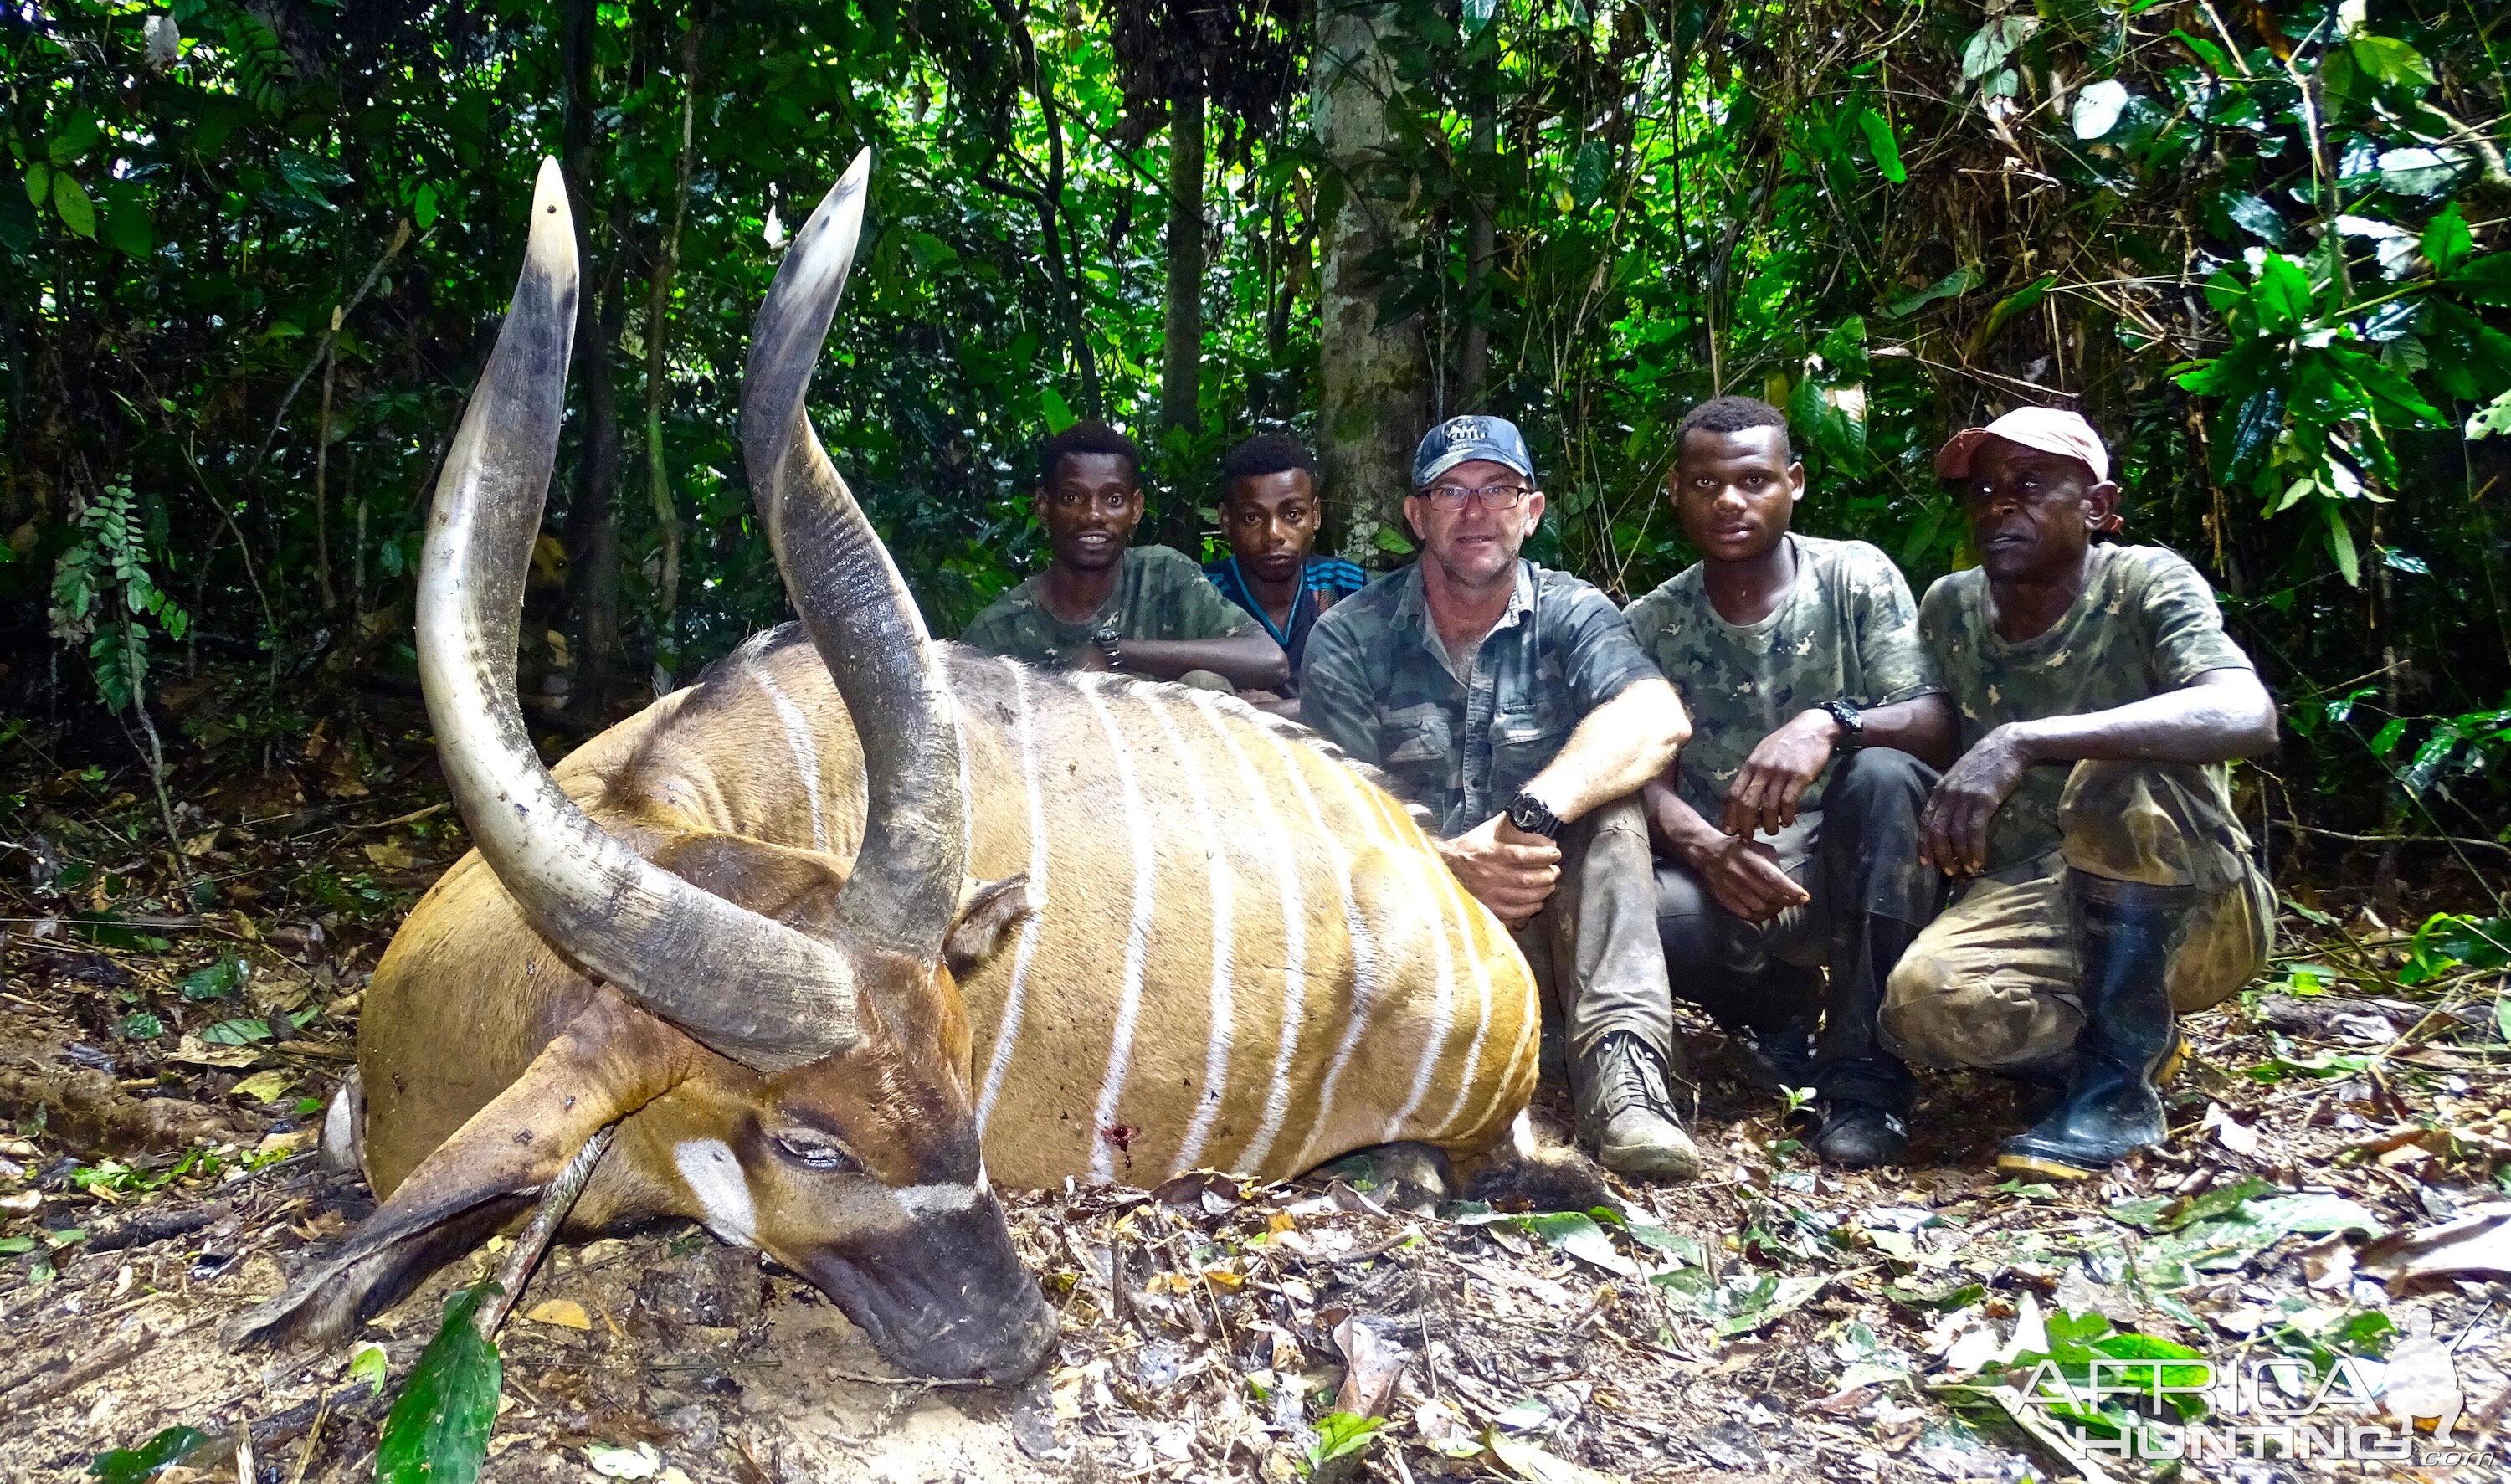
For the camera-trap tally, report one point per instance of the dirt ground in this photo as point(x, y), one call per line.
point(2330, 1219)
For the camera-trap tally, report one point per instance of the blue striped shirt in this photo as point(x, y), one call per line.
point(1325, 578)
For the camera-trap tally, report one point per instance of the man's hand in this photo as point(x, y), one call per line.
point(1507, 870)
point(1745, 876)
point(1773, 781)
point(1952, 833)
point(1089, 657)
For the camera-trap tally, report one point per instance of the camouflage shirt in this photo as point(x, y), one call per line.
point(2145, 625)
point(1380, 685)
point(1846, 628)
point(1163, 594)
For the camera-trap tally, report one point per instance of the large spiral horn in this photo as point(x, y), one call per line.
point(906, 881)
point(752, 988)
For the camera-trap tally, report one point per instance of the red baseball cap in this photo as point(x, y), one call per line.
point(2045, 428)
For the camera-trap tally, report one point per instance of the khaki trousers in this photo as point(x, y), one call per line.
point(1992, 983)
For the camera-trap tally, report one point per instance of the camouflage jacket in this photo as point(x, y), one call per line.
point(2144, 624)
point(1845, 629)
point(1163, 594)
point(1380, 685)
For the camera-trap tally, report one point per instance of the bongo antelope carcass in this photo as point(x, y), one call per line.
point(860, 924)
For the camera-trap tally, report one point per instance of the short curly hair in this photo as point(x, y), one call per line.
point(1262, 454)
point(1734, 414)
point(1090, 435)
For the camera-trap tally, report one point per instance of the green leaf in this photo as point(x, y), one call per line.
point(1879, 138)
point(69, 198)
point(2282, 294)
point(2251, 214)
point(130, 1466)
point(2392, 62)
point(2254, 427)
point(2340, 544)
point(140, 1026)
point(2420, 172)
point(1059, 412)
point(212, 981)
point(2487, 280)
point(236, 1032)
point(77, 136)
point(1952, 285)
point(438, 1432)
point(370, 1365)
point(2446, 242)
point(1589, 170)
point(39, 183)
point(1340, 1433)
point(422, 207)
point(2017, 302)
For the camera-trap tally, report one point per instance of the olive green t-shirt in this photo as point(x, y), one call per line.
point(2145, 625)
point(1162, 594)
point(1845, 629)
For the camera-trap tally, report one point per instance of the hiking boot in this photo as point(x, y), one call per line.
point(1624, 1108)
point(2125, 934)
point(1859, 1135)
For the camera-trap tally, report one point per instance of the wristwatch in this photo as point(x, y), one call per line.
point(1852, 724)
point(1532, 815)
point(1106, 636)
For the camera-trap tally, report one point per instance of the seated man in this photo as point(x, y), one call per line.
point(1789, 826)
point(2109, 883)
point(1269, 514)
point(1102, 605)
point(1511, 703)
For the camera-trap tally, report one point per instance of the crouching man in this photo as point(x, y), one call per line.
point(1511, 703)
point(1789, 826)
point(2109, 886)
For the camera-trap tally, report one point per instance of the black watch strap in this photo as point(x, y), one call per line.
point(1852, 724)
point(1531, 816)
point(1108, 637)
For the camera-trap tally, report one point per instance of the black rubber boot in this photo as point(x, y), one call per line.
point(1860, 1136)
point(1866, 1091)
point(2125, 934)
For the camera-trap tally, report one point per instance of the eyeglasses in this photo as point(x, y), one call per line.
point(1491, 496)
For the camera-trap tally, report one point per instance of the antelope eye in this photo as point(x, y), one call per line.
point(812, 1152)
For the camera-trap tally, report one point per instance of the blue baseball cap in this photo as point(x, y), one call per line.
point(1459, 439)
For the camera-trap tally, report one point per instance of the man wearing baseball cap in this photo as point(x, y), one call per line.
point(1512, 703)
point(2105, 884)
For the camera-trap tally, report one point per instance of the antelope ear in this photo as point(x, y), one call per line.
point(986, 916)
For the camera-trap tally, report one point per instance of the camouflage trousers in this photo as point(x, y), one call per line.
point(1992, 983)
point(1593, 947)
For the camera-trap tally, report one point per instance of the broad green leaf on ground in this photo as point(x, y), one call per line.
point(130, 1466)
point(1952, 285)
point(2098, 108)
point(438, 1431)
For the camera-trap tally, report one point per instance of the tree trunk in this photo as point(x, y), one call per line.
point(1180, 524)
point(591, 517)
point(658, 309)
point(1375, 379)
point(1181, 369)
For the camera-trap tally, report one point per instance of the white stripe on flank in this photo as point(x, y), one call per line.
point(1365, 965)
point(1137, 935)
point(1017, 999)
point(1216, 855)
point(797, 739)
point(959, 734)
point(1374, 805)
point(1460, 915)
point(1294, 939)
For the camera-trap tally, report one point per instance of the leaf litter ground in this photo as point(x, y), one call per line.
point(2331, 1196)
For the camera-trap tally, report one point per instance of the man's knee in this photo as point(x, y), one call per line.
point(1875, 779)
point(1208, 679)
point(1947, 1007)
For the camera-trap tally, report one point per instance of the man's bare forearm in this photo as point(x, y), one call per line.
point(1248, 661)
point(1924, 727)
point(2218, 717)
point(1621, 745)
point(1676, 828)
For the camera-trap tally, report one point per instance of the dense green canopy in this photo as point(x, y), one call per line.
point(260, 250)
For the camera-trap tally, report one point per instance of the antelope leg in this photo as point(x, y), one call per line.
point(609, 1060)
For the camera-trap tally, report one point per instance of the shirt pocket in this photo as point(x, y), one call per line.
point(1417, 746)
point(1523, 742)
